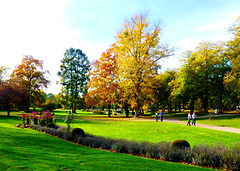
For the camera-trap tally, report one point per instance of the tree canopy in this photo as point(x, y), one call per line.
point(73, 73)
point(30, 77)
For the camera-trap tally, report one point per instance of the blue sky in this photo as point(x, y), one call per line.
point(46, 28)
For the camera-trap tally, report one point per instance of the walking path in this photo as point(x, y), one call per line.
point(220, 128)
point(178, 121)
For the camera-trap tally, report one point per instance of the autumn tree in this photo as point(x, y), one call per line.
point(11, 95)
point(103, 88)
point(73, 73)
point(31, 78)
point(139, 50)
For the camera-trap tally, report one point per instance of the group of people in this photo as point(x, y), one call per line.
point(192, 117)
point(161, 116)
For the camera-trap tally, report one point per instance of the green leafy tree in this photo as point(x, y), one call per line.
point(232, 79)
point(73, 73)
point(165, 95)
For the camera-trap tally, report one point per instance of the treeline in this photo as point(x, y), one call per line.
point(127, 74)
point(24, 88)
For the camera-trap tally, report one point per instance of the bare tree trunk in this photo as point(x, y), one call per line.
point(126, 110)
point(109, 110)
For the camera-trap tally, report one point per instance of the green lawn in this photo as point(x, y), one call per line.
point(26, 149)
point(227, 121)
point(154, 131)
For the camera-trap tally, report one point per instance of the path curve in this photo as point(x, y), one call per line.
point(178, 121)
point(214, 127)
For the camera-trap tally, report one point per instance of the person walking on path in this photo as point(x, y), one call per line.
point(189, 119)
point(156, 115)
point(194, 117)
point(161, 116)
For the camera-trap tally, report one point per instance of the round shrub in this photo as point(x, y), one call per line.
point(51, 125)
point(180, 144)
point(77, 132)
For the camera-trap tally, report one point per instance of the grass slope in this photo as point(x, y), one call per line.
point(154, 131)
point(31, 150)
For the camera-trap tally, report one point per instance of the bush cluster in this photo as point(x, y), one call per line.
point(35, 118)
point(98, 112)
point(218, 156)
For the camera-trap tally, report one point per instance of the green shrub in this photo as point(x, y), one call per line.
point(51, 125)
point(79, 140)
point(152, 150)
point(98, 112)
point(205, 155)
point(134, 148)
point(164, 147)
point(143, 147)
point(107, 143)
point(66, 136)
point(77, 132)
point(53, 131)
point(60, 132)
point(180, 144)
point(175, 156)
point(120, 146)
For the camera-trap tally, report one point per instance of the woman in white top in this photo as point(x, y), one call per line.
point(189, 119)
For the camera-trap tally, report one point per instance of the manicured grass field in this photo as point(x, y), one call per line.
point(227, 121)
point(154, 131)
point(26, 149)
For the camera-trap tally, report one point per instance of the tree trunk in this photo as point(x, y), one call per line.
point(126, 110)
point(133, 111)
point(109, 110)
point(137, 111)
point(8, 110)
point(192, 105)
point(170, 107)
point(179, 106)
point(205, 103)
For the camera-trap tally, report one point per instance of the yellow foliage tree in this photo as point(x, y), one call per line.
point(139, 50)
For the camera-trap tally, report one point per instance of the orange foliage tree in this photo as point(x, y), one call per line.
point(103, 83)
point(30, 77)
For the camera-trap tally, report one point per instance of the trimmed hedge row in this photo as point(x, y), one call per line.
point(218, 156)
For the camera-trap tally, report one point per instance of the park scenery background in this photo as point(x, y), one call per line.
point(106, 114)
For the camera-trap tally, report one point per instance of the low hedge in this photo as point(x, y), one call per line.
point(218, 156)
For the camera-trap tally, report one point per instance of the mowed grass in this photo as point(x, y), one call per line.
point(26, 149)
point(154, 131)
point(225, 121)
point(133, 129)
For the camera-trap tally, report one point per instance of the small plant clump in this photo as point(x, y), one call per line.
point(77, 132)
point(180, 144)
point(51, 125)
